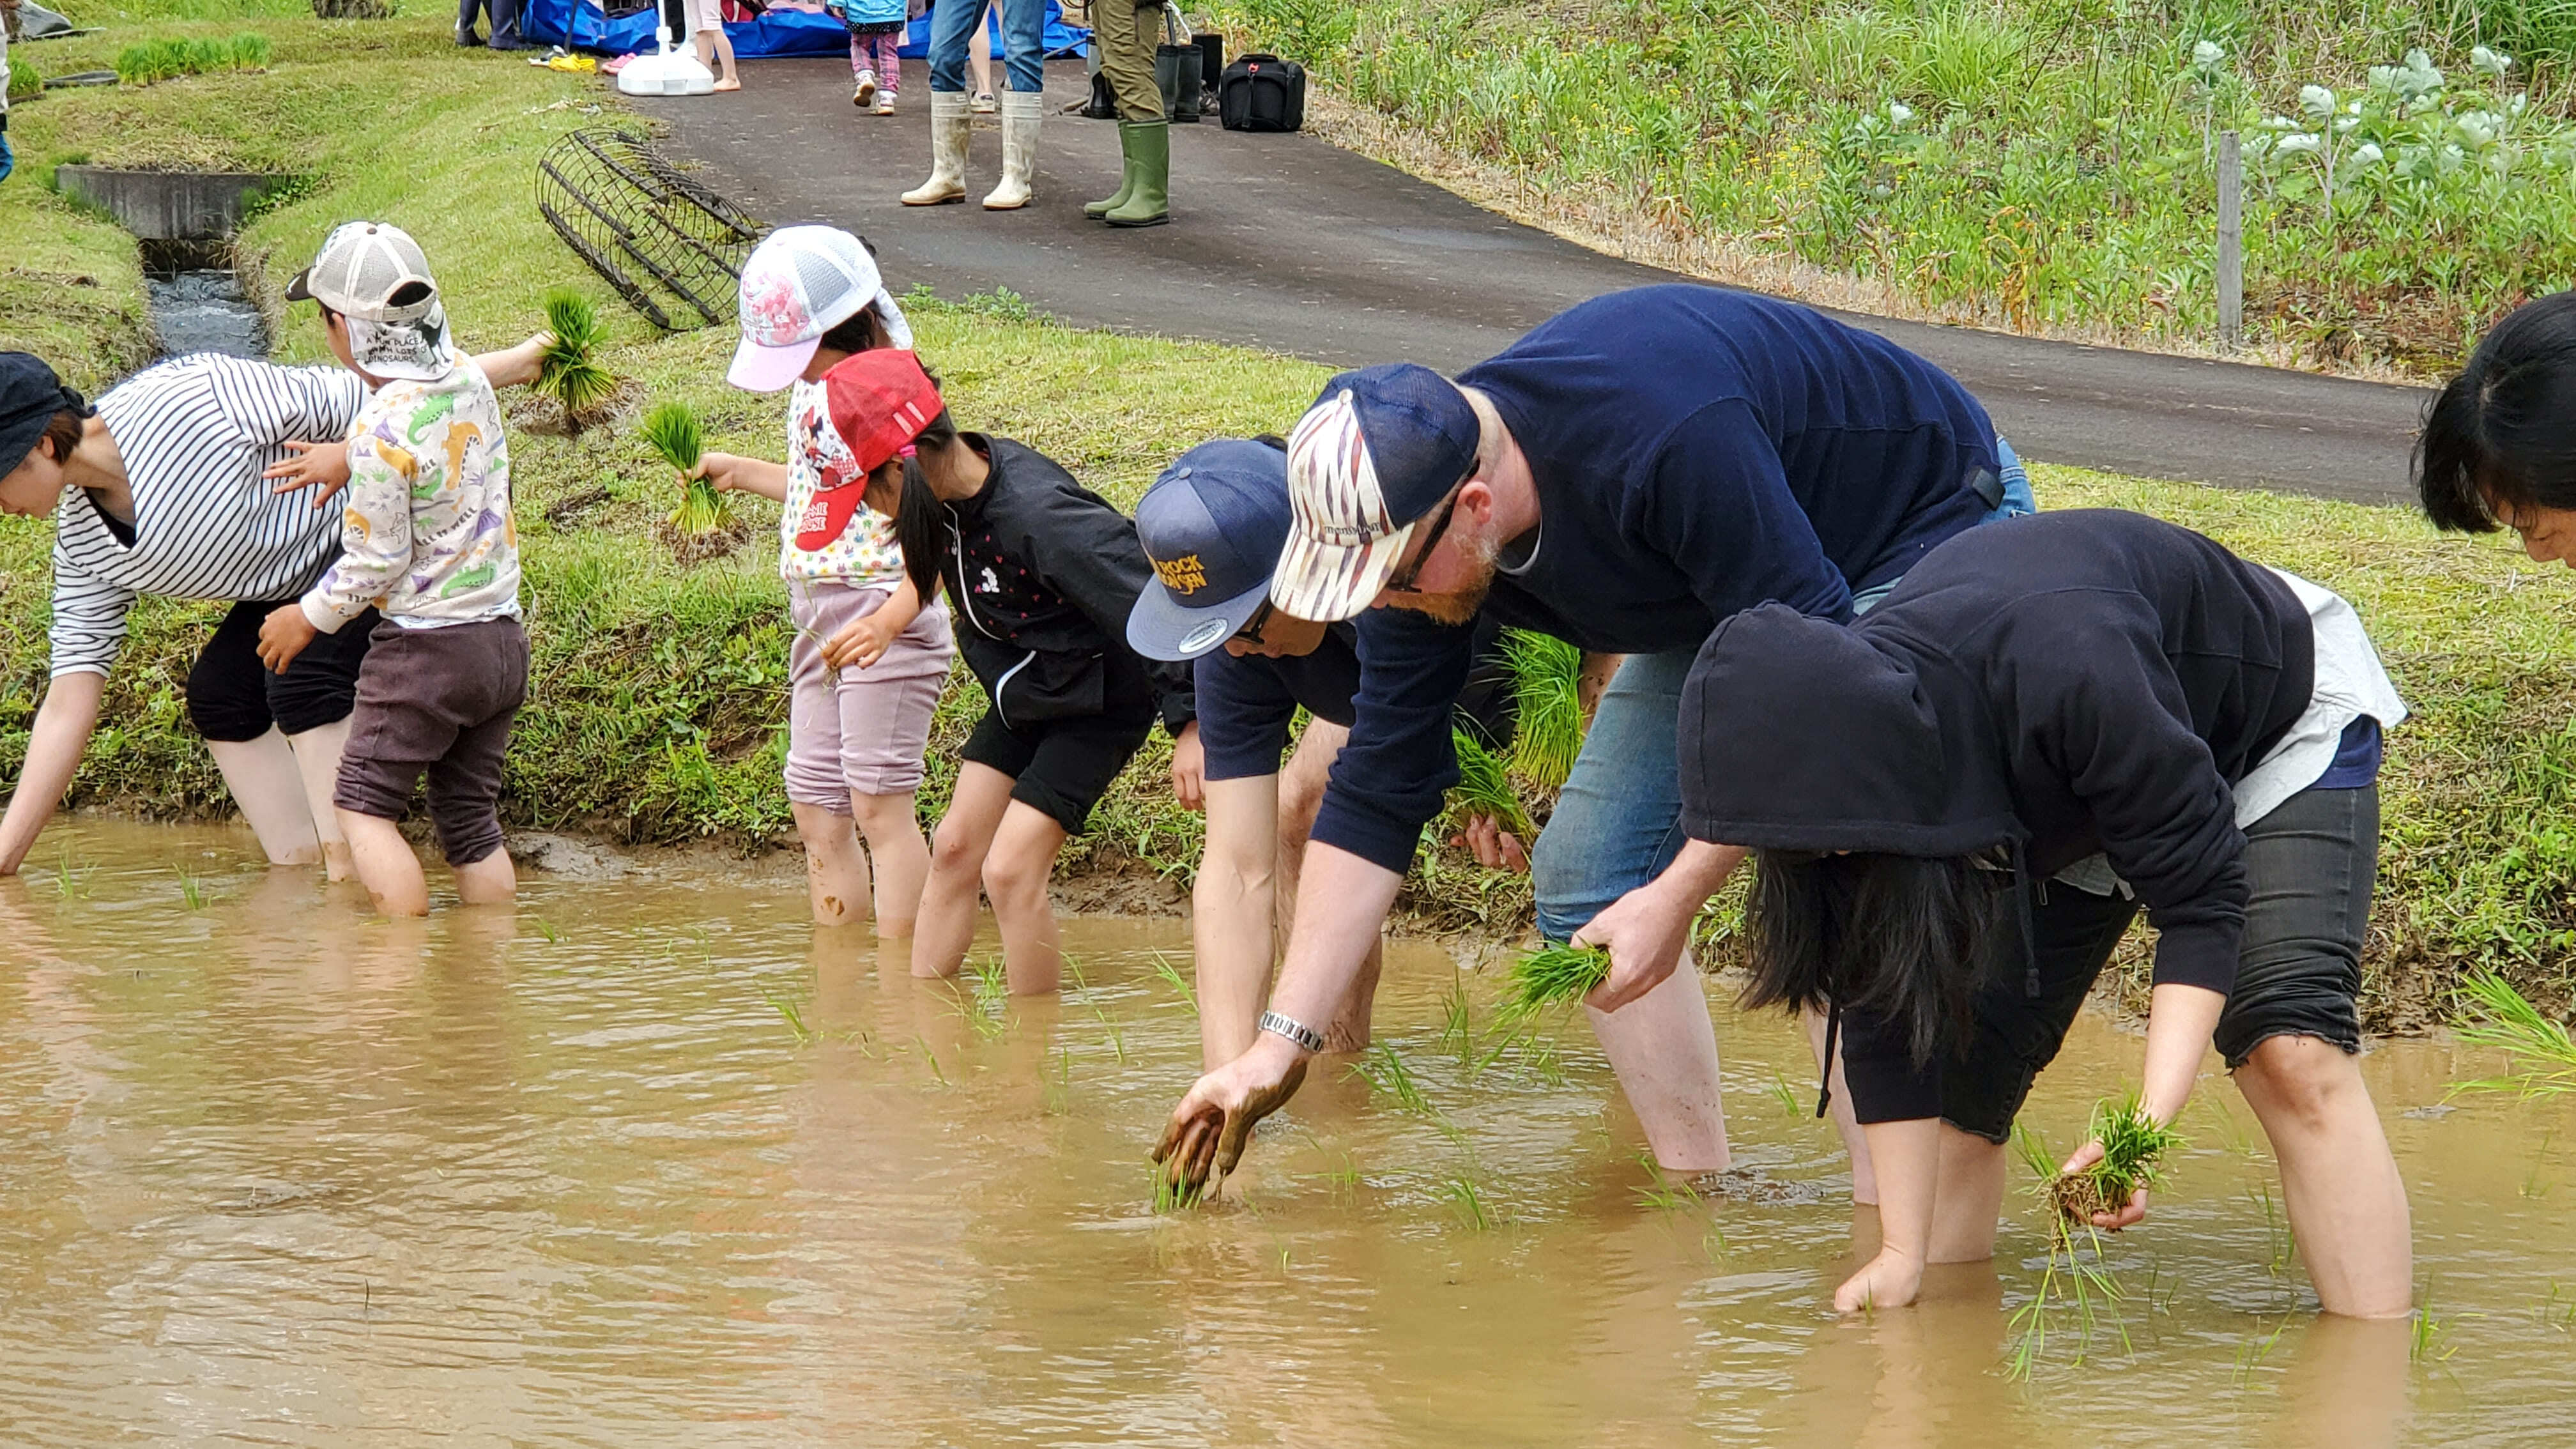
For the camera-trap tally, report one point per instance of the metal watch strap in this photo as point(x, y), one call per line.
point(1293, 1029)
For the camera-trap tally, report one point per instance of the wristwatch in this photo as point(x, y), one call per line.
point(1297, 1031)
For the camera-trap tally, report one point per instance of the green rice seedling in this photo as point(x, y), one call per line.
point(191, 890)
point(1786, 1096)
point(1172, 1195)
point(570, 372)
point(2428, 1338)
point(674, 432)
point(1389, 1077)
point(2133, 1146)
point(2502, 1018)
point(795, 1018)
point(2254, 1350)
point(1173, 978)
point(1485, 788)
point(2074, 1277)
point(1458, 1024)
point(1117, 1040)
point(1545, 675)
point(1552, 976)
point(205, 57)
point(931, 1057)
point(987, 1000)
point(545, 928)
point(1662, 1192)
point(249, 51)
point(1469, 1200)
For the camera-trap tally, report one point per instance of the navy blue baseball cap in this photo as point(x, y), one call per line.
point(1376, 452)
point(1212, 527)
point(30, 397)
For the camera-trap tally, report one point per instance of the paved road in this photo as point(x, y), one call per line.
point(1287, 243)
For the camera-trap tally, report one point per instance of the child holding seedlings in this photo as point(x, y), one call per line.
point(1958, 803)
point(871, 651)
point(1043, 574)
point(427, 537)
point(1212, 527)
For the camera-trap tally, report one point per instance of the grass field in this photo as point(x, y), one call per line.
point(2038, 165)
point(658, 708)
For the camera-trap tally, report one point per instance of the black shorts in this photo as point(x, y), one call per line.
point(233, 697)
point(2309, 866)
point(1061, 766)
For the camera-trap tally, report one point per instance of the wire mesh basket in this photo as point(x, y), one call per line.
point(670, 246)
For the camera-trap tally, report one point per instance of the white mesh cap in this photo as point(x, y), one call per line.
point(377, 278)
point(799, 283)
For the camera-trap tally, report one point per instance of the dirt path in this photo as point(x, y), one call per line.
point(1287, 243)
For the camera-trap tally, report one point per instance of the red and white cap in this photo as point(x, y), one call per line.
point(879, 401)
point(799, 283)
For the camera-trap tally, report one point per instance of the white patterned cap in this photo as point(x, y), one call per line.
point(377, 278)
point(799, 283)
point(1375, 454)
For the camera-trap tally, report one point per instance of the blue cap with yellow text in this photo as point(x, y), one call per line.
point(1212, 527)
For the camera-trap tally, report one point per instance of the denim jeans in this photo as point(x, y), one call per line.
point(1617, 822)
point(8, 158)
point(952, 28)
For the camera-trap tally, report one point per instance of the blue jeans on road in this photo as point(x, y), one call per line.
point(952, 28)
point(8, 158)
point(1618, 819)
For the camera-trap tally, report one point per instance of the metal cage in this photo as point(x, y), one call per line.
point(652, 232)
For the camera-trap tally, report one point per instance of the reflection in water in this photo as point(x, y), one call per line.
point(659, 1163)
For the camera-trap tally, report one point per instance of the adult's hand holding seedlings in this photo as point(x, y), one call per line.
point(1494, 847)
point(1210, 1128)
point(322, 466)
point(2180, 1022)
point(1646, 930)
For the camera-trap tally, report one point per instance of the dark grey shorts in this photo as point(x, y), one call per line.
point(2309, 866)
point(439, 701)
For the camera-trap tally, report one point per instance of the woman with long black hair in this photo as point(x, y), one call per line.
point(1958, 803)
point(1041, 574)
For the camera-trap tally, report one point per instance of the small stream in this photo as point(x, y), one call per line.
point(203, 310)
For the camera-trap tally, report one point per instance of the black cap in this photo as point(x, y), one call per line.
point(30, 396)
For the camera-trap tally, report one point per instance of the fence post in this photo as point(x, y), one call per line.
point(2231, 243)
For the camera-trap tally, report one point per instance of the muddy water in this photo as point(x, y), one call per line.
point(652, 1163)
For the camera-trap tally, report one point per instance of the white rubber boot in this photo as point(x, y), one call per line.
point(950, 123)
point(1020, 113)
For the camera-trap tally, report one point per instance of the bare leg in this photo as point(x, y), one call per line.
point(715, 52)
point(836, 870)
point(979, 57)
point(386, 864)
point(269, 790)
point(946, 926)
point(2347, 1389)
point(1971, 1202)
point(491, 881)
point(1864, 1181)
point(317, 759)
point(2346, 1200)
point(901, 857)
point(1016, 871)
point(1301, 795)
point(1664, 1048)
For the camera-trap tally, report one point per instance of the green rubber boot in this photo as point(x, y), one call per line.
point(1126, 178)
point(1150, 204)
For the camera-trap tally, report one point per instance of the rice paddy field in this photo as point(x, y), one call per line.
point(653, 1161)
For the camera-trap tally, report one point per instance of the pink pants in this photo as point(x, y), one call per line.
point(880, 53)
point(863, 732)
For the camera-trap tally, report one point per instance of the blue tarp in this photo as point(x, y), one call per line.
point(582, 25)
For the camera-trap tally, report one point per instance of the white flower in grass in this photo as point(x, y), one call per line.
point(1898, 113)
point(2316, 100)
point(2494, 63)
point(2208, 55)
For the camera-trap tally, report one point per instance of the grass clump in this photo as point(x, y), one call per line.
point(168, 58)
point(1545, 674)
point(25, 82)
point(2502, 1018)
point(571, 373)
point(1553, 976)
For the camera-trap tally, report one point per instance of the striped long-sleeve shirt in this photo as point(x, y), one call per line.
point(195, 434)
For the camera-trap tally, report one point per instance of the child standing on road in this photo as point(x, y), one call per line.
point(1044, 574)
point(877, 29)
point(869, 656)
point(427, 537)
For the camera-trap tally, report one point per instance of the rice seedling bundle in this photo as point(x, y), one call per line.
point(1546, 672)
point(1553, 975)
point(250, 51)
point(675, 433)
point(2133, 1147)
point(1485, 788)
point(570, 372)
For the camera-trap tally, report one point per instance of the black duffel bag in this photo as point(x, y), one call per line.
point(1262, 93)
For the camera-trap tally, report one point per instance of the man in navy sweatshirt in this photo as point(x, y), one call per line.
point(1628, 474)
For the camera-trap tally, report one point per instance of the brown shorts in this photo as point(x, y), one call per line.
point(441, 701)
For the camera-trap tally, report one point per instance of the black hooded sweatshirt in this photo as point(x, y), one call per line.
point(1043, 573)
point(2059, 685)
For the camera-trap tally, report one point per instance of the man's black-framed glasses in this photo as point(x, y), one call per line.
point(1402, 580)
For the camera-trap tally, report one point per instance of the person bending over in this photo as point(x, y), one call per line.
point(1041, 574)
point(2498, 448)
point(1629, 473)
point(1212, 526)
point(1958, 804)
point(429, 539)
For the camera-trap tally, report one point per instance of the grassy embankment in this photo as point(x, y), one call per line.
point(659, 697)
point(2046, 166)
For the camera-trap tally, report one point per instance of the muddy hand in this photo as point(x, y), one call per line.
point(1208, 1131)
point(2131, 1213)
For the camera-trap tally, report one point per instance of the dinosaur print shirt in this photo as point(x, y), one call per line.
point(425, 533)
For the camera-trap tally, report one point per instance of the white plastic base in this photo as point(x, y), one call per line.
point(669, 71)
